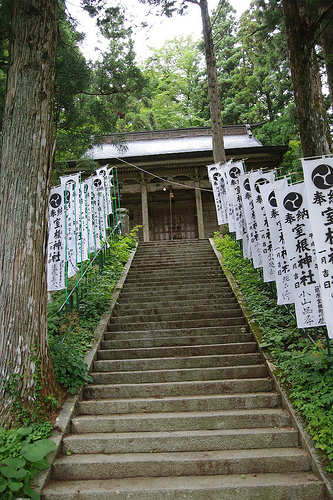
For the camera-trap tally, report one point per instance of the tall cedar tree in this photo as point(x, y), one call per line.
point(27, 147)
point(311, 112)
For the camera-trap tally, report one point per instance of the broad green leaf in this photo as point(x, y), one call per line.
point(31, 493)
point(15, 463)
point(34, 452)
point(12, 473)
point(14, 486)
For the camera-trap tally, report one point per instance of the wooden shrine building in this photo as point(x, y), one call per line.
point(175, 208)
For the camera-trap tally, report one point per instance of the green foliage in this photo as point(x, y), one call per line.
point(304, 368)
point(22, 455)
point(70, 334)
point(174, 72)
point(70, 370)
point(253, 71)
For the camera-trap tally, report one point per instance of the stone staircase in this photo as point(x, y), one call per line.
point(182, 406)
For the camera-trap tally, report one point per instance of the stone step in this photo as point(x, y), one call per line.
point(186, 421)
point(177, 363)
point(213, 283)
point(234, 312)
point(102, 466)
point(175, 307)
point(288, 486)
point(174, 303)
point(180, 403)
point(131, 343)
point(179, 270)
point(163, 325)
point(179, 375)
point(166, 266)
point(178, 351)
point(179, 332)
point(176, 441)
point(166, 256)
point(166, 389)
point(160, 295)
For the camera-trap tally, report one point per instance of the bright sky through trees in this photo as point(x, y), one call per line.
point(158, 31)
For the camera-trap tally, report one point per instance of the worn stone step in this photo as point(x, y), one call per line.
point(179, 332)
point(178, 351)
point(175, 441)
point(197, 307)
point(180, 403)
point(167, 265)
point(180, 375)
point(177, 363)
point(287, 486)
point(194, 294)
point(174, 303)
point(234, 312)
point(163, 325)
point(175, 275)
point(217, 283)
point(101, 466)
point(186, 421)
point(131, 343)
point(179, 270)
point(207, 387)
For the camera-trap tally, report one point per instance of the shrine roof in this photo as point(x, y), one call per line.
point(169, 142)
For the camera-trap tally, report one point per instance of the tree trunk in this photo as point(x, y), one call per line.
point(26, 370)
point(214, 94)
point(311, 112)
point(327, 44)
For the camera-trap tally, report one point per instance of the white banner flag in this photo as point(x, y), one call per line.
point(250, 218)
point(56, 241)
point(298, 236)
point(100, 207)
point(104, 171)
point(232, 172)
point(227, 198)
point(72, 208)
point(217, 181)
point(282, 269)
point(90, 214)
point(318, 179)
point(82, 237)
point(263, 247)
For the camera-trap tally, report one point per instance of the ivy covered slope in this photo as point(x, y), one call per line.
point(23, 449)
point(304, 368)
point(70, 334)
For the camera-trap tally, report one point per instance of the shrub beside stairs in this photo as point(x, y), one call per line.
point(182, 405)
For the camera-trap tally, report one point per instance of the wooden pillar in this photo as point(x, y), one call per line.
point(198, 203)
point(144, 207)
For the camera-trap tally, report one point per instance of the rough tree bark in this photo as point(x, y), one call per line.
point(311, 112)
point(213, 88)
point(25, 171)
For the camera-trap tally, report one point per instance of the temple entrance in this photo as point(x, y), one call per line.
point(173, 219)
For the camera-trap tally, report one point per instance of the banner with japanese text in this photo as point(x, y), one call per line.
point(232, 173)
point(231, 220)
point(248, 198)
point(299, 242)
point(318, 179)
point(264, 244)
point(56, 240)
point(217, 181)
point(100, 208)
point(71, 185)
point(283, 277)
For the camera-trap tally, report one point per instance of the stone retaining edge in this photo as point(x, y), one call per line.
point(298, 421)
point(63, 420)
